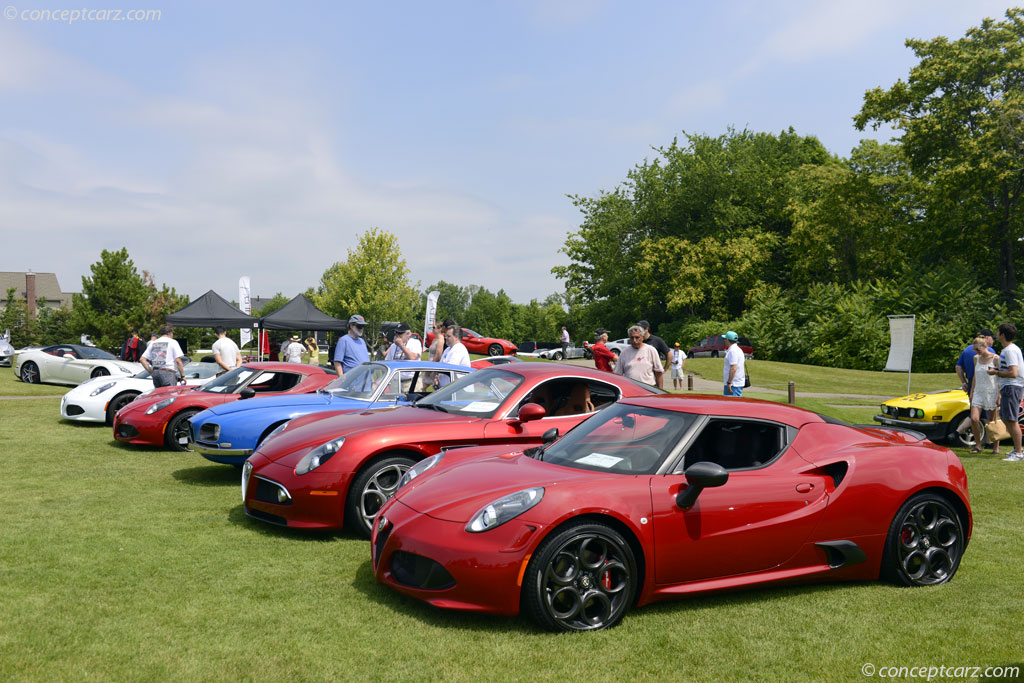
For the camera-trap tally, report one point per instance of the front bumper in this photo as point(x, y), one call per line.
point(485, 570)
point(315, 500)
point(145, 430)
point(224, 456)
point(83, 410)
point(930, 429)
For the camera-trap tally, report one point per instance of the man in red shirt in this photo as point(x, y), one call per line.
point(603, 358)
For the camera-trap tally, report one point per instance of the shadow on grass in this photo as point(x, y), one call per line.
point(238, 516)
point(365, 583)
point(216, 475)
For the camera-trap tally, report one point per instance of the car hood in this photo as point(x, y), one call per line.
point(290, 401)
point(457, 492)
point(928, 398)
point(291, 444)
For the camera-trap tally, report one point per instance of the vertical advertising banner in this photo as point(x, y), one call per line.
point(901, 345)
point(245, 305)
point(428, 323)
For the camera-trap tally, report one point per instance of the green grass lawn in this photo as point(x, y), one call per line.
point(122, 563)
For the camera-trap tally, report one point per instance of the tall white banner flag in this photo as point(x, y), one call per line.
point(428, 323)
point(245, 305)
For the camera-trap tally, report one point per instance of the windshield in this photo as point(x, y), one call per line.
point(360, 383)
point(89, 352)
point(229, 382)
point(478, 394)
point(623, 439)
point(466, 330)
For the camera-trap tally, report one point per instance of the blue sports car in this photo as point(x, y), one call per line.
point(230, 433)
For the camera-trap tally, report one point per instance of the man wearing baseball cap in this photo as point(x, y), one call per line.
point(351, 350)
point(603, 358)
point(733, 371)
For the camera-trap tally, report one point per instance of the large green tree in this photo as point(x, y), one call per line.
point(373, 281)
point(117, 299)
point(24, 330)
point(961, 115)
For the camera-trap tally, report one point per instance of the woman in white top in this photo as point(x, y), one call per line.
point(984, 391)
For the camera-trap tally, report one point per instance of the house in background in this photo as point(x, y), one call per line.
point(32, 287)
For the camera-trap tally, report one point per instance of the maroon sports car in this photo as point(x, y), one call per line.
point(321, 471)
point(665, 496)
point(161, 417)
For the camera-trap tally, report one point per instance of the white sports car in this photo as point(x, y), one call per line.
point(70, 364)
point(6, 350)
point(98, 399)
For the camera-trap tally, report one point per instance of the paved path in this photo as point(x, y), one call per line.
point(707, 386)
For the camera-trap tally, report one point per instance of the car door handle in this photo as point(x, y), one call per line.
point(805, 487)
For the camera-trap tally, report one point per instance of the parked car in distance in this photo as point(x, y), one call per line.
point(552, 351)
point(939, 415)
point(660, 497)
point(70, 364)
point(714, 346)
point(477, 343)
point(6, 351)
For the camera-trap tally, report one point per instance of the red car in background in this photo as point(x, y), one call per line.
point(160, 418)
point(667, 496)
point(320, 472)
point(714, 346)
point(485, 346)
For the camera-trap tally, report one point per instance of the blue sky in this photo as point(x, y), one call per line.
point(262, 139)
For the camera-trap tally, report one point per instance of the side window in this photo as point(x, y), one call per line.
point(561, 397)
point(270, 382)
point(393, 389)
point(737, 444)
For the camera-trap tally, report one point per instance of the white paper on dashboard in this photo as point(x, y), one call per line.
point(599, 460)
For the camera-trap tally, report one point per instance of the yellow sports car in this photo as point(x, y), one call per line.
point(937, 414)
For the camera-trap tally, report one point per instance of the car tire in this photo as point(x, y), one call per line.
point(557, 355)
point(99, 372)
point(582, 577)
point(714, 354)
point(178, 426)
point(925, 542)
point(616, 352)
point(29, 373)
point(118, 402)
point(495, 350)
point(375, 484)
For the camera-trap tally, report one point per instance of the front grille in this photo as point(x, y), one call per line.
point(74, 410)
point(266, 516)
point(267, 491)
point(417, 571)
point(127, 431)
point(382, 538)
point(209, 432)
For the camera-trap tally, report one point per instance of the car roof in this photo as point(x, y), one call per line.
point(728, 406)
point(411, 365)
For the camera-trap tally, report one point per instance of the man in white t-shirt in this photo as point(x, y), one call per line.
point(405, 347)
point(676, 359)
point(455, 352)
point(640, 361)
point(293, 350)
point(1011, 386)
point(162, 358)
point(734, 371)
point(225, 351)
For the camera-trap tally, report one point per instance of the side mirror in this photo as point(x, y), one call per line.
point(248, 392)
point(530, 412)
point(549, 436)
point(699, 476)
point(68, 356)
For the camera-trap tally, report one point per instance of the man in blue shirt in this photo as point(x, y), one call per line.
point(965, 364)
point(351, 349)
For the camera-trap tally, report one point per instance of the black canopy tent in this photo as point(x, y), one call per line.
point(211, 310)
point(301, 314)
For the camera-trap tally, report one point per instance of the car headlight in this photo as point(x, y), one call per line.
point(125, 370)
point(160, 405)
point(419, 468)
point(502, 510)
point(101, 389)
point(318, 456)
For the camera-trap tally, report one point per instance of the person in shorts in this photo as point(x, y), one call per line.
point(676, 360)
point(1011, 386)
point(162, 359)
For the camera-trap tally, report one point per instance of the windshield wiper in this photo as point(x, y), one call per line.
point(537, 453)
point(432, 406)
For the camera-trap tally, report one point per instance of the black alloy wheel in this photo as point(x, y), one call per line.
point(494, 350)
point(177, 429)
point(582, 578)
point(30, 373)
point(925, 542)
point(374, 486)
point(118, 402)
